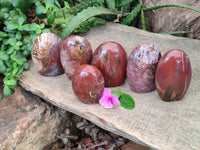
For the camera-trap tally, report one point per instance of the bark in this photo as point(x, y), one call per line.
point(173, 18)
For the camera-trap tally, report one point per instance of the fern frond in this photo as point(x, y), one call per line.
point(132, 15)
point(79, 7)
point(84, 15)
point(111, 3)
point(126, 2)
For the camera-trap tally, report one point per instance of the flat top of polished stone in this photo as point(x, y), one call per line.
point(153, 122)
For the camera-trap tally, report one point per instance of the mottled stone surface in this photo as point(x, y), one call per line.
point(35, 126)
point(153, 122)
point(110, 58)
point(173, 75)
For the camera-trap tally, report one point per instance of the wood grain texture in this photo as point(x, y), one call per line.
point(153, 122)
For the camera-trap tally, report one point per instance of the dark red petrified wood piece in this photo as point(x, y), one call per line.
point(110, 58)
point(88, 84)
point(141, 68)
point(75, 51)
point(173, 75)
point(46, 54)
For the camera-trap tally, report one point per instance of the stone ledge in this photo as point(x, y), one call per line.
point(153, 123)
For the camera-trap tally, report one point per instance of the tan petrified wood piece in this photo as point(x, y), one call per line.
point(154, 123)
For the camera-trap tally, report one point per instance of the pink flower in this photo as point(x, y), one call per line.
point(107, 100)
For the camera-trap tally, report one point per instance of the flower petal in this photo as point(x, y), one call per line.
point(105, 102)
point(106, 92)
point(115, 100)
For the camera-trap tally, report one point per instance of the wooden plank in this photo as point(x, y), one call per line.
point(153, 122)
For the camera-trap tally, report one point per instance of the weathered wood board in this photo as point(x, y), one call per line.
point(153, 122)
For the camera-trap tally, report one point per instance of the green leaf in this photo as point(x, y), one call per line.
point(15, 70)
point(7, 63)
point(99, 21)
point(13, 56)
point(144, 26)
point(117, 93)
point(4, 56)
point(11, 82)
point(66, 4)
point(2, 68)
point(1, 97)
point(33, 26)
point(18, 3)
point(3, 34)
point(26, 27)
point(84, 15)
point(126, 101)
point(11, 41)
point(6, 3)
point(18, 36)
point(50, 18)
point(111, 3)
point(57, 3)
point(7, 91)
point(132, 15)
point(26, 66)
point(12, 25)
point(40, 9)
point(10, 50)
point(1, 62)
point(125, 2)
point(21, 20)
point(49, 1)
point(19, 43)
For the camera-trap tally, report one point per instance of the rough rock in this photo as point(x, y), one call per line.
point(174, 18)
point(28, 123)
point(133, 146)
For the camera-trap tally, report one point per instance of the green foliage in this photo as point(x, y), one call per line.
point(83, 16)
point(144, 26)
point(111, 4)
point(126, 2)
point(16, 40)
point(132, 15)
point(126, 100)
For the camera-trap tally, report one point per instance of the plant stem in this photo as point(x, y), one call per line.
point(175, 32)
point(144, 25)
point(101, 3)
point(170, 5)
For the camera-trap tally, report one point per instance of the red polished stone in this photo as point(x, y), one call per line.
point(110, 58)
point(173, 75)
point(45, 54)
point(88, 84)
point(141, 68)
point(75, 51)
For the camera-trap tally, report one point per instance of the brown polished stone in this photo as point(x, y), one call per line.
point(75, 51)
point(45, 53)
point(173, 75)
point(110, 58)
point(88, 84)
